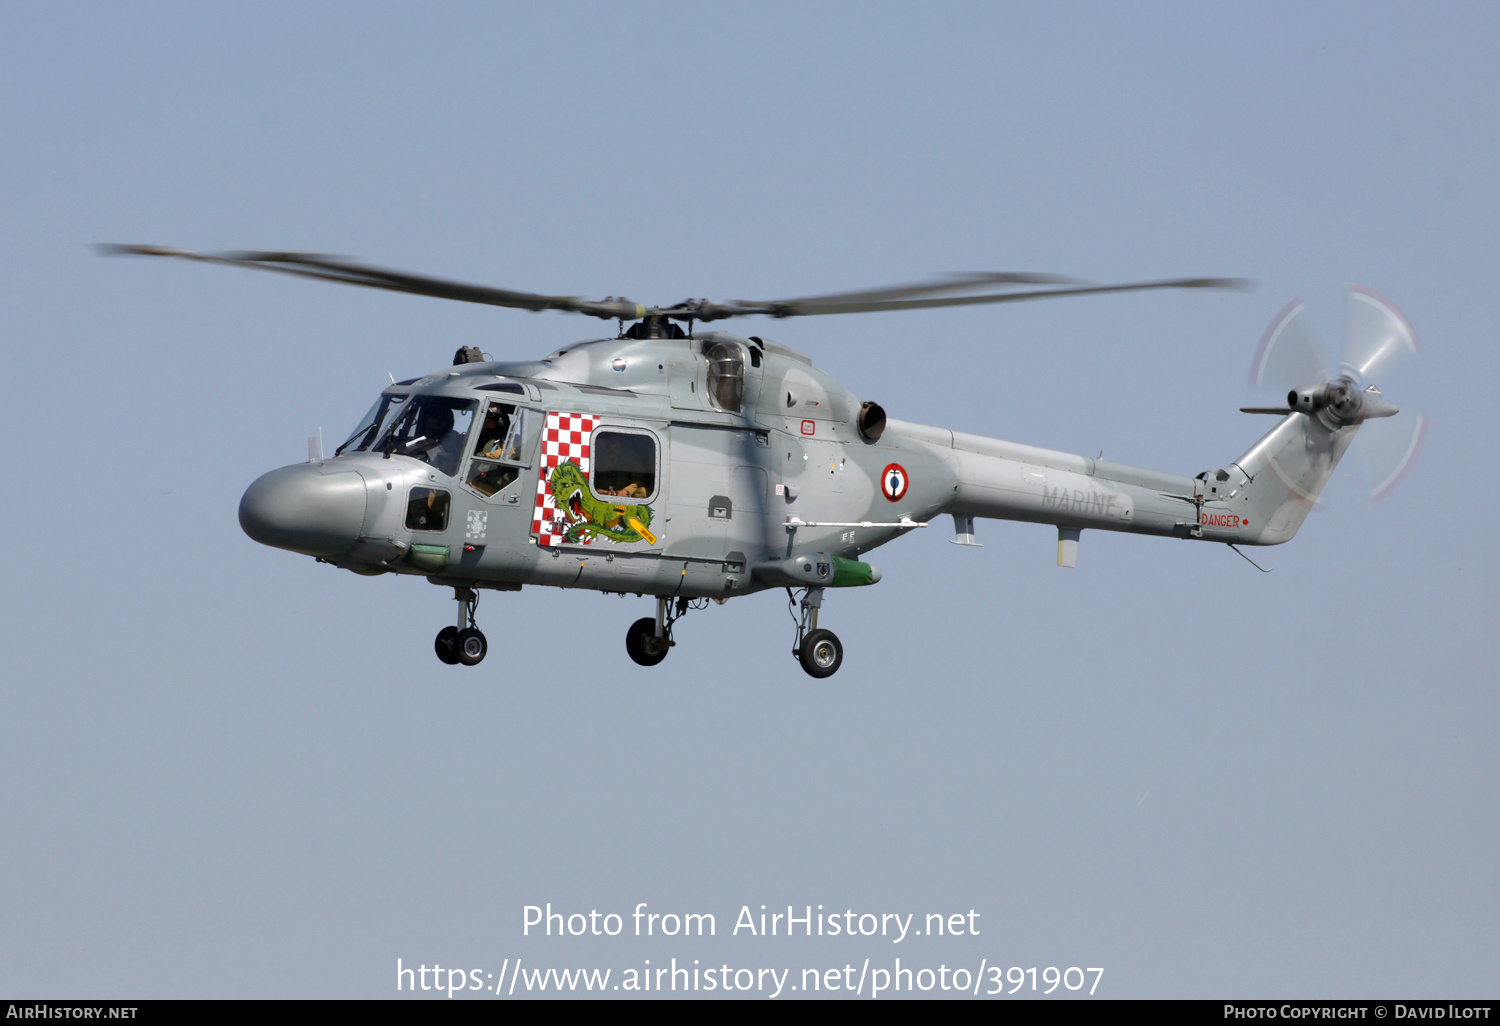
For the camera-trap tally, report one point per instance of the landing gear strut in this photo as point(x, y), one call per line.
point(464, 642)
point(819, 651)
point(649, 640)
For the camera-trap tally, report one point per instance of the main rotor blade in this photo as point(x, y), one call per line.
point(348, 272)
point(837, 305)
point(904, 297)
point(949, 283)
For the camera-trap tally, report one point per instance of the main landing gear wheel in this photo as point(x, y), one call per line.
point(821, 653)
point(469, 646)
point(643, 644)
point(444, 645)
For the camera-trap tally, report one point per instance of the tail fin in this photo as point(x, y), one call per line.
point(1284, 472)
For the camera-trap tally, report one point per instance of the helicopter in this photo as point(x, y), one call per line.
point(690, 466)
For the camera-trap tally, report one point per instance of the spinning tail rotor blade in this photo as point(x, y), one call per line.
point(1377, 337)
point(1289, 355)
point(1388, 448)
point(1377, 340)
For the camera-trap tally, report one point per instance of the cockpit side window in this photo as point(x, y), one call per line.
point(726, 376)
point(497, 447)
point(489, 443)
point(624, 464)
point(432, 428)
point(370, 424)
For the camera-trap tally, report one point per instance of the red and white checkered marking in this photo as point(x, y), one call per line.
point(566, 437)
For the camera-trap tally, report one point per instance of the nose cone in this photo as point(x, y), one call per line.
point(305, 510)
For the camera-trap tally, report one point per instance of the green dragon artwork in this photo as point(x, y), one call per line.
point(589, 517)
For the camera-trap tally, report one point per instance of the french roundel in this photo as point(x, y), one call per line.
point(893, 482)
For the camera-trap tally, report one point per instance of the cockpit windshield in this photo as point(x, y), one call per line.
point(370, 424)
point(431, 428)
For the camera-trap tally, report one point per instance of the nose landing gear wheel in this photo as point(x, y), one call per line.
point(469, 646)
point(821, 653)
point(444, 645)
point(643, 644)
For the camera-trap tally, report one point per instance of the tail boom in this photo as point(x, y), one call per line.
point(1260, 499)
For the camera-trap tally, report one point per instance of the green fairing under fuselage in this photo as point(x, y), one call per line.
point(588, 517)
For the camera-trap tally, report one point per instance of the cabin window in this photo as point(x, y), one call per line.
point(624, 464)
point(427, 510)
point(726, 376)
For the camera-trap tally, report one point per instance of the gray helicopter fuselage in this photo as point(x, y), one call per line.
point(710, 466)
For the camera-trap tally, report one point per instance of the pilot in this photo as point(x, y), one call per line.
point(492, 434)
point(436, 441)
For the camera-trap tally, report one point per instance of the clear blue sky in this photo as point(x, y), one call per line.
point(228, 771)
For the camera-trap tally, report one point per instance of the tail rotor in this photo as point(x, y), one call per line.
point(1378, 339)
